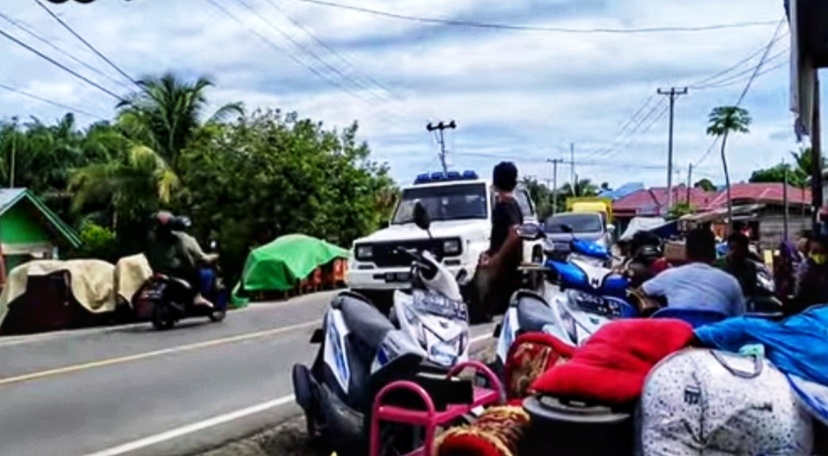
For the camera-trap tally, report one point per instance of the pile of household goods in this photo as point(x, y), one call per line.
point(652, 387)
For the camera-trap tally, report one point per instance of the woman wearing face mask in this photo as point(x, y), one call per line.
point(812, 280)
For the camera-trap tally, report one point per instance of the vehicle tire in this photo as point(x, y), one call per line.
point(217, 315)
point(162, 318)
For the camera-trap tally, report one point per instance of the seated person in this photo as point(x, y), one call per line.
point(175, 253)
point(697, 285)
point(739, 263)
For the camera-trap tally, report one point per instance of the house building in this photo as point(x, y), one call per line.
point(760, 204)
point(29, 230)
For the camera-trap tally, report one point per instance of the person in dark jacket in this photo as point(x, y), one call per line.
point(812, 279)
point(739, 263)
point(502, 260)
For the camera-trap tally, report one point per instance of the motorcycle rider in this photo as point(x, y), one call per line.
point(739, 264)
point(696, 285)
point(502, 260)
point(812, 279)
point(173, 252)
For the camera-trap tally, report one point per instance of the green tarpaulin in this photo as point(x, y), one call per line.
point(281, 264)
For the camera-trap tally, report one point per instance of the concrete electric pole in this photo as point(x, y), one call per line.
point(440, 127)
point(555, 162)
point(673, 93)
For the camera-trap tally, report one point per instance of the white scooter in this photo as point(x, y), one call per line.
point(432, 311)
point(361, 350)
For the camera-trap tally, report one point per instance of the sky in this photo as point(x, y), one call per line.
point(520, 95)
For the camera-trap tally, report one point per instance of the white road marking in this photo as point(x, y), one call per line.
point(214, 421)
point(195, 427)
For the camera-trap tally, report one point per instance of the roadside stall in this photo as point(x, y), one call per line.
point(282, 265)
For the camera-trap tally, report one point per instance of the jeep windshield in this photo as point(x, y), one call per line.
point(444, 202)
point(580, 223)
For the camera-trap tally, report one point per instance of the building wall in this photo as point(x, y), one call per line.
point(19, 226)
point(772, 226)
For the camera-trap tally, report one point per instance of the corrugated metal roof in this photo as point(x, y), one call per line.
point(9, 196)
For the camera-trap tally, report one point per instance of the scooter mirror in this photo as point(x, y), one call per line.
point(421, 218)
point(530, 231)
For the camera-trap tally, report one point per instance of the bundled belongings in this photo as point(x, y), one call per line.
point(796, 346)
point(530, 355)
point(498, 432)
point(51, 295)
point(701, 401)
point(611, 367)
point(585, 405)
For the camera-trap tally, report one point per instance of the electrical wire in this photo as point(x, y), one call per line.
point(747, 86)
point(51, 102)
point(474, 24)
point(34, 34)
point(700, 83)
point(740, 76)
point(88, 44)
point(625, 140)
point(59, 65)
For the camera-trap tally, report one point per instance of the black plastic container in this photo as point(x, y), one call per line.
point(571, 429)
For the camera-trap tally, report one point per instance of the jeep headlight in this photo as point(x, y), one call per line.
point(364, 252)
point(451, 247)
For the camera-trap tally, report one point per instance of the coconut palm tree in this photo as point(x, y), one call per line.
point(723, 121)
point(168, 113)
point(584, 187)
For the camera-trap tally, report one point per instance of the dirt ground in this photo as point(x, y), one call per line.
point(289, 438)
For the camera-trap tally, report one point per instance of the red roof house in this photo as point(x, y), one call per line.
point(765, 193)
point(652, 202)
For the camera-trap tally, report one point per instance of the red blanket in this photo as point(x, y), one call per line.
point(611, 367)
point(529, 357)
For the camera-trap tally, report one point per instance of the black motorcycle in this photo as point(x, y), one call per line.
point(166, 299)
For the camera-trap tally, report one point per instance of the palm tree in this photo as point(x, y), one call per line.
point(583, 187)
point(723, 121)
point(167, 114)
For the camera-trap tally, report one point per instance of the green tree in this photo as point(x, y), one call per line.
point(584, 187)
point(167, 114)
point(680, 209)
point(269, 174)
point(541, 195)
point(780, 173)
point(706, 185)
point(722, 122)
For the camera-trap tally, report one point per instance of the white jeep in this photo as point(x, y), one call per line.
point(460, 207)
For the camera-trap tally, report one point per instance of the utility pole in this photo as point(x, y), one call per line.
point(816, 163)
point(555, 162)
point(572, 167)
point(673, 93)
point(13, 151)
point(689, 181)
point(440, 127)
point(785, 200)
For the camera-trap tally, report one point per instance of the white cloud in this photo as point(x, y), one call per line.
point(518, 95)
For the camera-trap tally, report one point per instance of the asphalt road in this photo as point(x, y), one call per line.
point(134, 391)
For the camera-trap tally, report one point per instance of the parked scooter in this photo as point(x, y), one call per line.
point(361, 350)
point(588, 296)
point(432, 312)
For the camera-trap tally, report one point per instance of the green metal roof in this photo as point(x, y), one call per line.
point(11, 196)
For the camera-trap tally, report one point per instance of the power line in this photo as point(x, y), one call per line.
point(51, 102)
point(702, 82)
point(747, 86)
point(290, 55)
point(627, 139)
point(327, 47)
point(304, 48)
point(34, 34)
point(60, 65)
point(531, 28)
point(88, 44)
point(740, 76)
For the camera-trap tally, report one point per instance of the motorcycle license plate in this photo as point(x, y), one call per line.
point(397, 277)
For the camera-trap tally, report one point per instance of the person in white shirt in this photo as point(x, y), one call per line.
point(698, 285)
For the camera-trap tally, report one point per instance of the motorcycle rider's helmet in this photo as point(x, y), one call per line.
point(181, 223)
point(163, 220)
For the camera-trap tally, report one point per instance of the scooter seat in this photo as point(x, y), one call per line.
point(179, 282)
point(534, 313)
point(364, 320)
